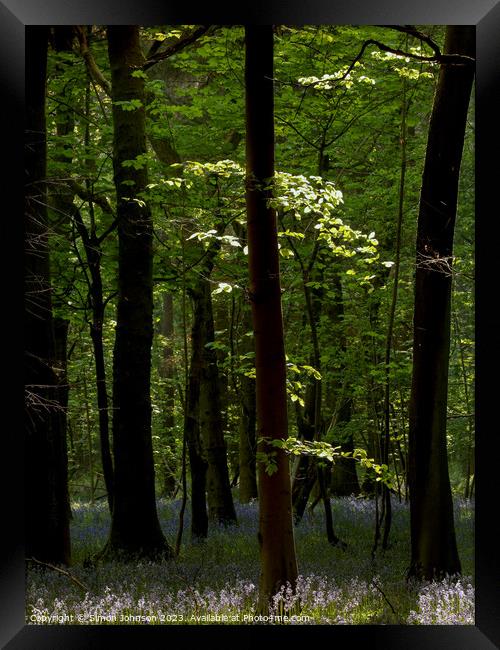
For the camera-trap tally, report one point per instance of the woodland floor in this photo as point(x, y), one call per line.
point(217, 581)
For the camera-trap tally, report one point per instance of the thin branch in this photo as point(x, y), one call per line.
point(112, 295)
point(311, 144)
point(57, 100)
point(101, 105)
point(401, 621)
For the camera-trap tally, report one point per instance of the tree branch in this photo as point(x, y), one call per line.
point(439, 57)
point(413, 31)
point(85, 195)
point(176, 47)
point(92, 67)
point(108, 231)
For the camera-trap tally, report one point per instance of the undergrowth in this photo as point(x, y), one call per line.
point(217, 581)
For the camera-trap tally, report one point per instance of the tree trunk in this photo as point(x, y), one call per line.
point(247, 441)
point(47, 506)
point(223, 316)
point(93, 253)
point(63, 201)
point(135, 528)
point(61, 326)
point(102, 393)
point(433, 544)
point(220, 500)
point(197, 461)
point(309, 419)
point(310, 422)
point(167, 372)
point(276, 539)
point(344, 478)
point(247, 469)
point(305, 474)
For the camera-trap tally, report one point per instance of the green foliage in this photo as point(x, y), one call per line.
point(323, 452)
point(130, 104)
point(336, 195)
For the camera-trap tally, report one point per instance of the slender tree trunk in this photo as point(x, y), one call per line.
point(61, 326)
point(247, 470)
point(305, 474)
point(220, 499)
point(386, 440)
point(344, 478)
point(167, 372)
point(433, 544)
point(204, 424)
point(168, 155)
point(135, 528)
point(276, 539)
point(93, 253)
point(468, 406)
point(248, 422)
point(314, 304)
point(47, 507)
point(197, 460)
point(220, 321)
point(309, 421)
point(102, 393)
point(62, 202)
point(88, 427)
point(375, 397)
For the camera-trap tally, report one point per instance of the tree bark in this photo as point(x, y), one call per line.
point(47, 504)
point(220, 499)
point(276, 539)
point(135, 528)
point(433, 544)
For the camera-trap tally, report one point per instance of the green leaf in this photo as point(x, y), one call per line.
point(130, 104)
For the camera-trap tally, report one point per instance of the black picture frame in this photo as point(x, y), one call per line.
point(485, 15)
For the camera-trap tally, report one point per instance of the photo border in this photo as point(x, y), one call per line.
point(485, 15)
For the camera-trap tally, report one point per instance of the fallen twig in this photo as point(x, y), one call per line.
point(59, 570)
point(401, 622)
